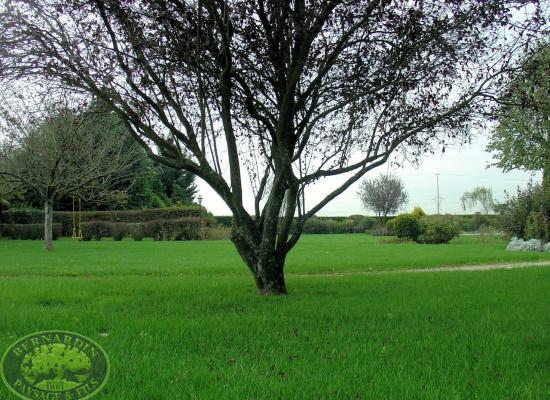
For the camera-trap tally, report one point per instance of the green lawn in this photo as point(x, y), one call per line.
point(314, 253)
point(182, 320)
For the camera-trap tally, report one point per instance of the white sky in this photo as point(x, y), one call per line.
point(461, 169)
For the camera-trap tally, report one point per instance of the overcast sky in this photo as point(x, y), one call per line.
point(461, 169)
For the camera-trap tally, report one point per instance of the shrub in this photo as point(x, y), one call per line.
point(363, 224)
point(96, 229)
point(346, 226)
point(315, 225)
point(381, 230)
point(390, 226)
point(437, 230)
point(516, 210)
point(406, 226)
point(86, 235)
point(28, 231)
point(136, 230)
point(479, 219)
point(467, 223)
point(119, 231)
point(152, 229)
point(537, 226)
point(487, 232)
point(65, 218)
point(216, 233)
point(225, 220)
point(180, 229)
point(418, 212)
point(22, 216)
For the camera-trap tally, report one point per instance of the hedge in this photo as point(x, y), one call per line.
point(177, 229)
point(28, 231)
point(32, 216)
point(65, 218)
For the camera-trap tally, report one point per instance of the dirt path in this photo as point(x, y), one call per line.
point(457, 268)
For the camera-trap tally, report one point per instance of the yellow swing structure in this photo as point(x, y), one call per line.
point(77, 220)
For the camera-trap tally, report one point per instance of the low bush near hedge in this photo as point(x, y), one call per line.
point(425, 229)
point(28, 231)
point(317, 225)
point(96, 230)
point(406, 226)
point(216, 233)
point(180, 229)
point(437, 230)
point(119, 231)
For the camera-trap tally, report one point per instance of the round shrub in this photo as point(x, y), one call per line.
point(418, 212)
point(95, 229)
point(437, 230)
point(119, 231)
point(137, 232)
point(537, 226)
point(406, 226)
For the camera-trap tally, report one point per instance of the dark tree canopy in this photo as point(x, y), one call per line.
point(286, 92)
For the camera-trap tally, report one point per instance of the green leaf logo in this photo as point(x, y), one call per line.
point(55, 365)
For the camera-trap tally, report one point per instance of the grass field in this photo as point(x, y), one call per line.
point(313, 254)
point(181, 320)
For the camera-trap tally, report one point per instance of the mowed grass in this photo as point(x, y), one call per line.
point(183, 321)
point(313, 254)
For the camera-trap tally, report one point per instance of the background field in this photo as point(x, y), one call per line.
point(182, 320)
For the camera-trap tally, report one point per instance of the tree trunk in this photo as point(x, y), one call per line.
point(269, 278)
point(264, 263)
point(48, 225)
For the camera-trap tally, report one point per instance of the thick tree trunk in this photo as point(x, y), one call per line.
point(269, 278)
point(48, 225)
point(264, 263)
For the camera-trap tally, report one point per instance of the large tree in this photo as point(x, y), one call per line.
point(55, 151)
point(521, 140)
point(291, 91)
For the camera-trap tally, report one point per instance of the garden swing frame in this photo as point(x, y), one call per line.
point(77, 222)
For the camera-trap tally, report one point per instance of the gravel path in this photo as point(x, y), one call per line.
point(457, 268)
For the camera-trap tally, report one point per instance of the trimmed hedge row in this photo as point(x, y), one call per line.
point(178, 229)
point(361, 224)
point(65, 218)
point(32, 216)
point(28, 231)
